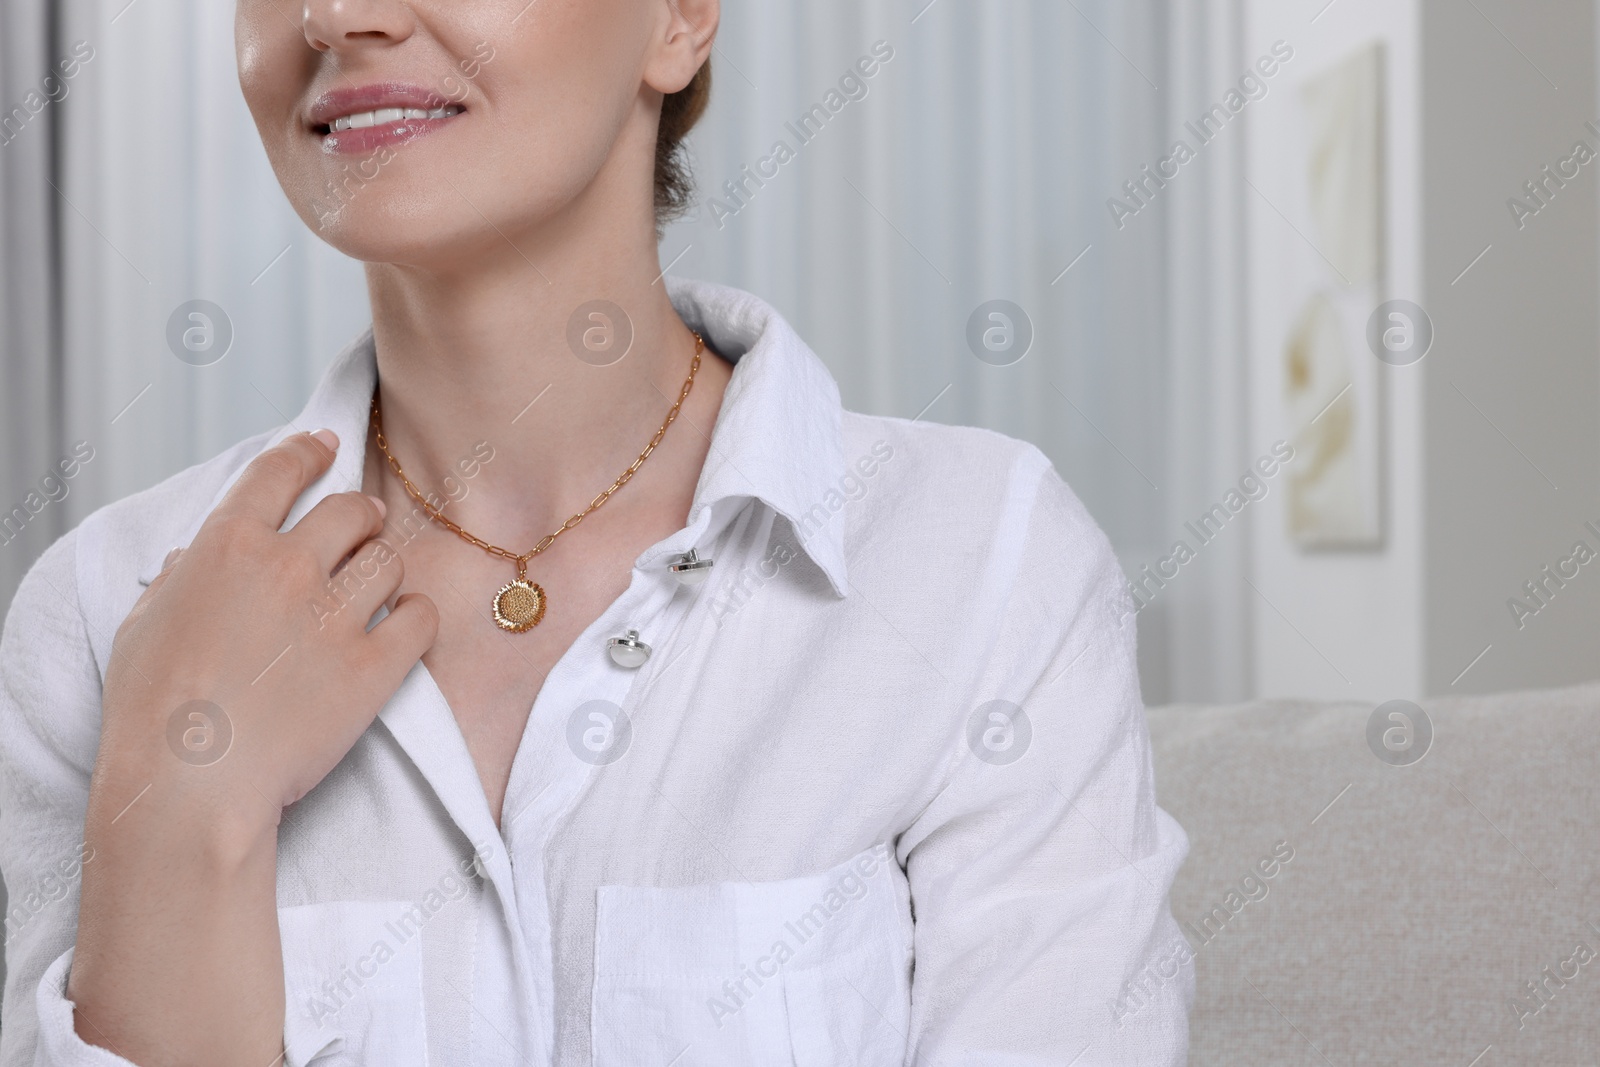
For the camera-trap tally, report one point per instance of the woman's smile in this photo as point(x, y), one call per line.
point(362, 120)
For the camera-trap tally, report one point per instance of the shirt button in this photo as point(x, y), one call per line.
point(690, 569)
point(628, 651)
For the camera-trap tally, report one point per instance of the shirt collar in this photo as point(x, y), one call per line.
point(778, 436)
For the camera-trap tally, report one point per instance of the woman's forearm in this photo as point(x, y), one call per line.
point(178, 958)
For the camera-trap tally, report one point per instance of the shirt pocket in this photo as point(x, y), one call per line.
point(352, 973)
point(804, 972)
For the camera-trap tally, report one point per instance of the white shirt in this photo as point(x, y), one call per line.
point(802, 833)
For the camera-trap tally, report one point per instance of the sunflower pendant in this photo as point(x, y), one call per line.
point(518, 606)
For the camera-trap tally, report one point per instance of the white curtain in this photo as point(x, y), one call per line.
point(30, 427)
point(169, 199)
point(1203, 618)
point(976, 167)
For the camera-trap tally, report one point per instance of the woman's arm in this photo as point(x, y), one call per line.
point(1040, 875)
point(229, 695)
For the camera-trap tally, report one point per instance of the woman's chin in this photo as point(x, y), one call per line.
point(435, 247)
point(436, 217)
point(396, 223)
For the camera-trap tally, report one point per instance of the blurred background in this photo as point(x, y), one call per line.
point(1299, 296)
point(1189, 307)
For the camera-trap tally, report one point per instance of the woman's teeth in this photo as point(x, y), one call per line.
point(386, 115)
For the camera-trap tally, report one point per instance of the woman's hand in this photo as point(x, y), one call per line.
point(240, 678)
point(270, 629)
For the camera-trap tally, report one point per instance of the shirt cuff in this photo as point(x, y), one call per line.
point(60, 1046)
point(59, 1043)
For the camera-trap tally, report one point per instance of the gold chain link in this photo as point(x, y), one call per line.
point(495, 550)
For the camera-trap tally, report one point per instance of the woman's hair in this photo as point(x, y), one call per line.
point(679, 112)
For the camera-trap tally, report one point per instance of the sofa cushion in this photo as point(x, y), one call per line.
point(1411, 906)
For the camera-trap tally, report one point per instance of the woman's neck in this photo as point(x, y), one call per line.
point(481, 354)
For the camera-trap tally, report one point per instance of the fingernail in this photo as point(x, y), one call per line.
point(171, 556)
point(383, 509)
point(328, 438)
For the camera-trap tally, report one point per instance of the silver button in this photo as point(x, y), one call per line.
point(628, 651)
point(690, 569)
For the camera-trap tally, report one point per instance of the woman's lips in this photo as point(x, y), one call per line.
point(362, 120)
point(364, 140)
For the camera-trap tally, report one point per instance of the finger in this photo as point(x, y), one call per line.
point(337, 526)
point(275, 479)
point(370, 578)
point(408, 631)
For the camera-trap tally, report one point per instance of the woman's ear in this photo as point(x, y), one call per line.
point(689, 27)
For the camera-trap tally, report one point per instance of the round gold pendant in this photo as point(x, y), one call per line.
point(519, 606)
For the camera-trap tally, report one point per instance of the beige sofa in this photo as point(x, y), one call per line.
point(1423, 903)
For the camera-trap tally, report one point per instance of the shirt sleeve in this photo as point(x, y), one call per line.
point(1040, 874)
point(49, 733)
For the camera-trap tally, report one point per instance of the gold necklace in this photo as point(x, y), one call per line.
point(519, 605)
